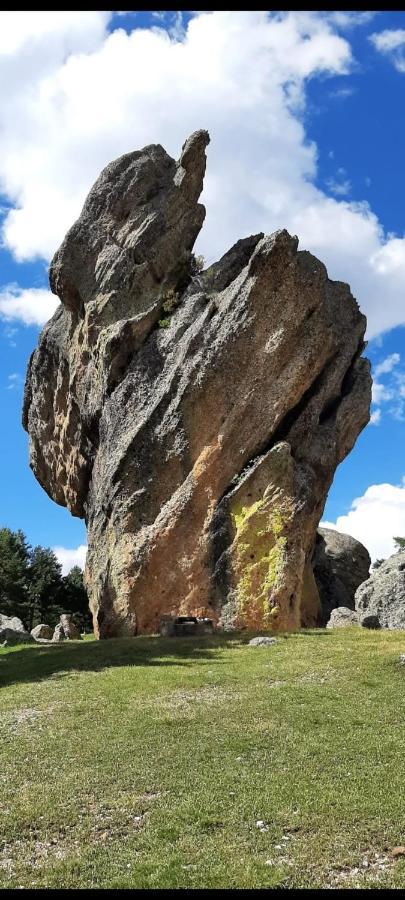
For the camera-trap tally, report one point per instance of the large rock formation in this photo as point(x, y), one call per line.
point(194, 420)
point(340, 565)
point(382, 596)
point(12, 631)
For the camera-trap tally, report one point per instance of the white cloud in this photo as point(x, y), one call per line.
point(375, 519)
point(339, 186)
point(15, 380)
point(380, 393)
point(392, 43)
point(69, 558)
point(387, 364)
point(393, 390)
point(98, 95)
point(32, 306)
point(375, 417)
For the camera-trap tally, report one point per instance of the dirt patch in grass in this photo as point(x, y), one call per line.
point(181, 703)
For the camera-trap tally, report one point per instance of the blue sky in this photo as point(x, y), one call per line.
point(305, 116)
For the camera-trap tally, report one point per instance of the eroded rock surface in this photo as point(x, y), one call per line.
point(12, 631)
point(341, 617)
point(340, 564)
point(380, 601)
point(194, 420)
point(42, 632)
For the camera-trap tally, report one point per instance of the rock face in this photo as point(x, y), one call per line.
point(194, 420)
point(12, 631)
point(340, 565)
point(383, 595)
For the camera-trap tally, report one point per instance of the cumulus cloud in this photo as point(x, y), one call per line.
point(15, 380)
point(70, 557)
point(375, 519)
point(387, 364)
point(32, 306)
point(391, 42)
point(97, 95)
point(391, 390)
point(340, 185)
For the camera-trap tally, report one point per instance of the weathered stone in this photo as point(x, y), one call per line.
point(12, 631)
point(70, 630)
point(59, 634)
point(201, 453)
point(383, 594)
point(42, 632)
point(262, 641)
point(340, 565)
point(341, 616)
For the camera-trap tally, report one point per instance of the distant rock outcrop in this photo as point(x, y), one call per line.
point(42, 632)
point(194, 419)
point(340, 565)
point(66, 630)
point(12, 631)
point(382, 597)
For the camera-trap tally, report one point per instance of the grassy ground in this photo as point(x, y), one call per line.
point(182, 763)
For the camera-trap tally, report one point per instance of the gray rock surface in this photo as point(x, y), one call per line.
point(262, 641)
point(70, 629)
point(341, 564)
point(383, 594)
point(12, 631)
point(66, 630)
point(59, 634)
point(342, 616)
point(42, 632)
point(199, 451)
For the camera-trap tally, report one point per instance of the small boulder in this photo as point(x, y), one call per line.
point(341, 617)
point(262, 641)
point(402, 659)
point(42, 632)
point(59, 634)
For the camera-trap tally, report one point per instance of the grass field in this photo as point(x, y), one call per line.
point(204, 763)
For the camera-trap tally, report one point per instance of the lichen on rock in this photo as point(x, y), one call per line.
point(194, 419)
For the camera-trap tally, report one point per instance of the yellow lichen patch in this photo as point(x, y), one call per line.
point(260, 556)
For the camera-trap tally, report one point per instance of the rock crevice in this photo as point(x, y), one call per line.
point(194, 420)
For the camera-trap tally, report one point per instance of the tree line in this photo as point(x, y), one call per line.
point(33, 588)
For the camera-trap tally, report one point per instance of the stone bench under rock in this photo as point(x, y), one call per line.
point(181, 626)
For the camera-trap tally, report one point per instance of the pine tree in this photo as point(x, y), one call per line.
point(14, 574)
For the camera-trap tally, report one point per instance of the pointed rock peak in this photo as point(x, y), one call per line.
point(191, 165)
point(193, 150)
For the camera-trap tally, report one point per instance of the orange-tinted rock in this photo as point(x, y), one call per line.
point(194, 420)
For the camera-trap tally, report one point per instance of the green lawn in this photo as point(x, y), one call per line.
point(148, 762)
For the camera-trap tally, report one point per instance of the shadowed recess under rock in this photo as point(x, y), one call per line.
point(193, 419)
